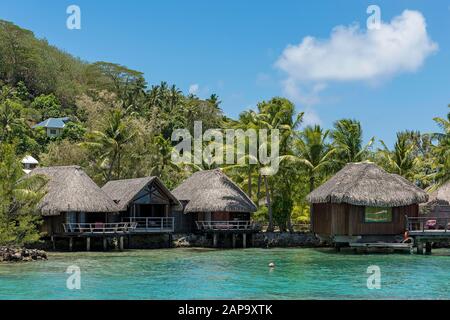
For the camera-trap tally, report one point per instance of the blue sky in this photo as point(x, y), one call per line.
point(233, 48)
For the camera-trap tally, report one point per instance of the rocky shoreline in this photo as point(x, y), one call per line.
point(9, 254)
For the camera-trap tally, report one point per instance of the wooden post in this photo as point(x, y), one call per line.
point(233, 237)
point(420, 248)
point(244, 240)
point(215, 240)
point(121, 243)
point(53, 243)
point(70, 244)
point(170, 240)
point(88, 244)
point(428, 248)
point(105, 244)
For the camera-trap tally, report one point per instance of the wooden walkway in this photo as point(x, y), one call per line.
point(426, 230)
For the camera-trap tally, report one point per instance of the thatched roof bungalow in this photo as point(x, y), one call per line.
point(144, 200)
point(364, 200)
point(71, 197)
point(211, 196)
point(438, 204)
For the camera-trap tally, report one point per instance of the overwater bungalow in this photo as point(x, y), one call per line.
point(438, 204)
point(213, 204)
point(364, 203)
point(144, 201)
point(75, 207)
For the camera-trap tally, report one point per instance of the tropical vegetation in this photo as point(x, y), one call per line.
point(120, 127)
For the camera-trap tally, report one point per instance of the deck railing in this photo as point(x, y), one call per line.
point(226, 225)
point(152, 224)
point(99, 227)
point(427, 225)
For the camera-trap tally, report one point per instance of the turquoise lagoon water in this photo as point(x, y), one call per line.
point(229, 274)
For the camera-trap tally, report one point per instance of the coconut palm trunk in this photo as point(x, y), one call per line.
point(270, 228)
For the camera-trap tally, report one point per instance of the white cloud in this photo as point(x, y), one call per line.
point(352, 54)
point(194, 88)
point(306, 95)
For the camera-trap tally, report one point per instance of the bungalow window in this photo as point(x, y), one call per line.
point(52, 131)
point(377, 214)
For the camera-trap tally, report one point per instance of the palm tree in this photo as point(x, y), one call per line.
point(279, 114)
point(165, 149)
point(441, 152)
point(402, 159)
point(313, 152)
point(110, 142)
point(348, 139)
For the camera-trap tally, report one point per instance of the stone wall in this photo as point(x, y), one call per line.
point(285, 239)
point(259, 240)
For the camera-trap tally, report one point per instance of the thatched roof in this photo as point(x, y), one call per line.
point(212, 191)
point(440, 197)
point(70, 189)
point(366, 184)
point(124, 191)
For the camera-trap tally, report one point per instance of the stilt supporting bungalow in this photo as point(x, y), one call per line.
point(121, 243)
point(364, 204)
point(74, 207)
point(214, 205)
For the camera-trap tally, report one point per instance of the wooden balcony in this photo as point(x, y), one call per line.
point(151, 224)
point(428, 227)
point(226, 226)
point(98, 228)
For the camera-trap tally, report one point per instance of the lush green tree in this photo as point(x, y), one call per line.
point(74, 132)
point(314, 153)
point(348, 141)
point(48, 105)
point(401, 160)
point(441, 151)
point(109, 142)
point(19, 196)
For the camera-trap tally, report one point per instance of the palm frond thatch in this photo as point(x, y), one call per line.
point(366, 184)
point(440, 196)
point(213, 191)
point(70, 189)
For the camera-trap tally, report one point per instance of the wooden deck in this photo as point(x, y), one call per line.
point(428, 227)
point(233, 226)
point(426, 230)
point(98, 228)
point(151, 224)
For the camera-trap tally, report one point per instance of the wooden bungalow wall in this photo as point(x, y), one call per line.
point(345, 219)
point(53, 224)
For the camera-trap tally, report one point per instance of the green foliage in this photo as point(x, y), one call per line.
point(348, 142)
point(121, 128)
point(19, 221)
point(74, 132)
point(48, 106)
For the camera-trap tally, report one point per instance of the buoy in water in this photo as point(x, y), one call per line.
point(271, 265)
